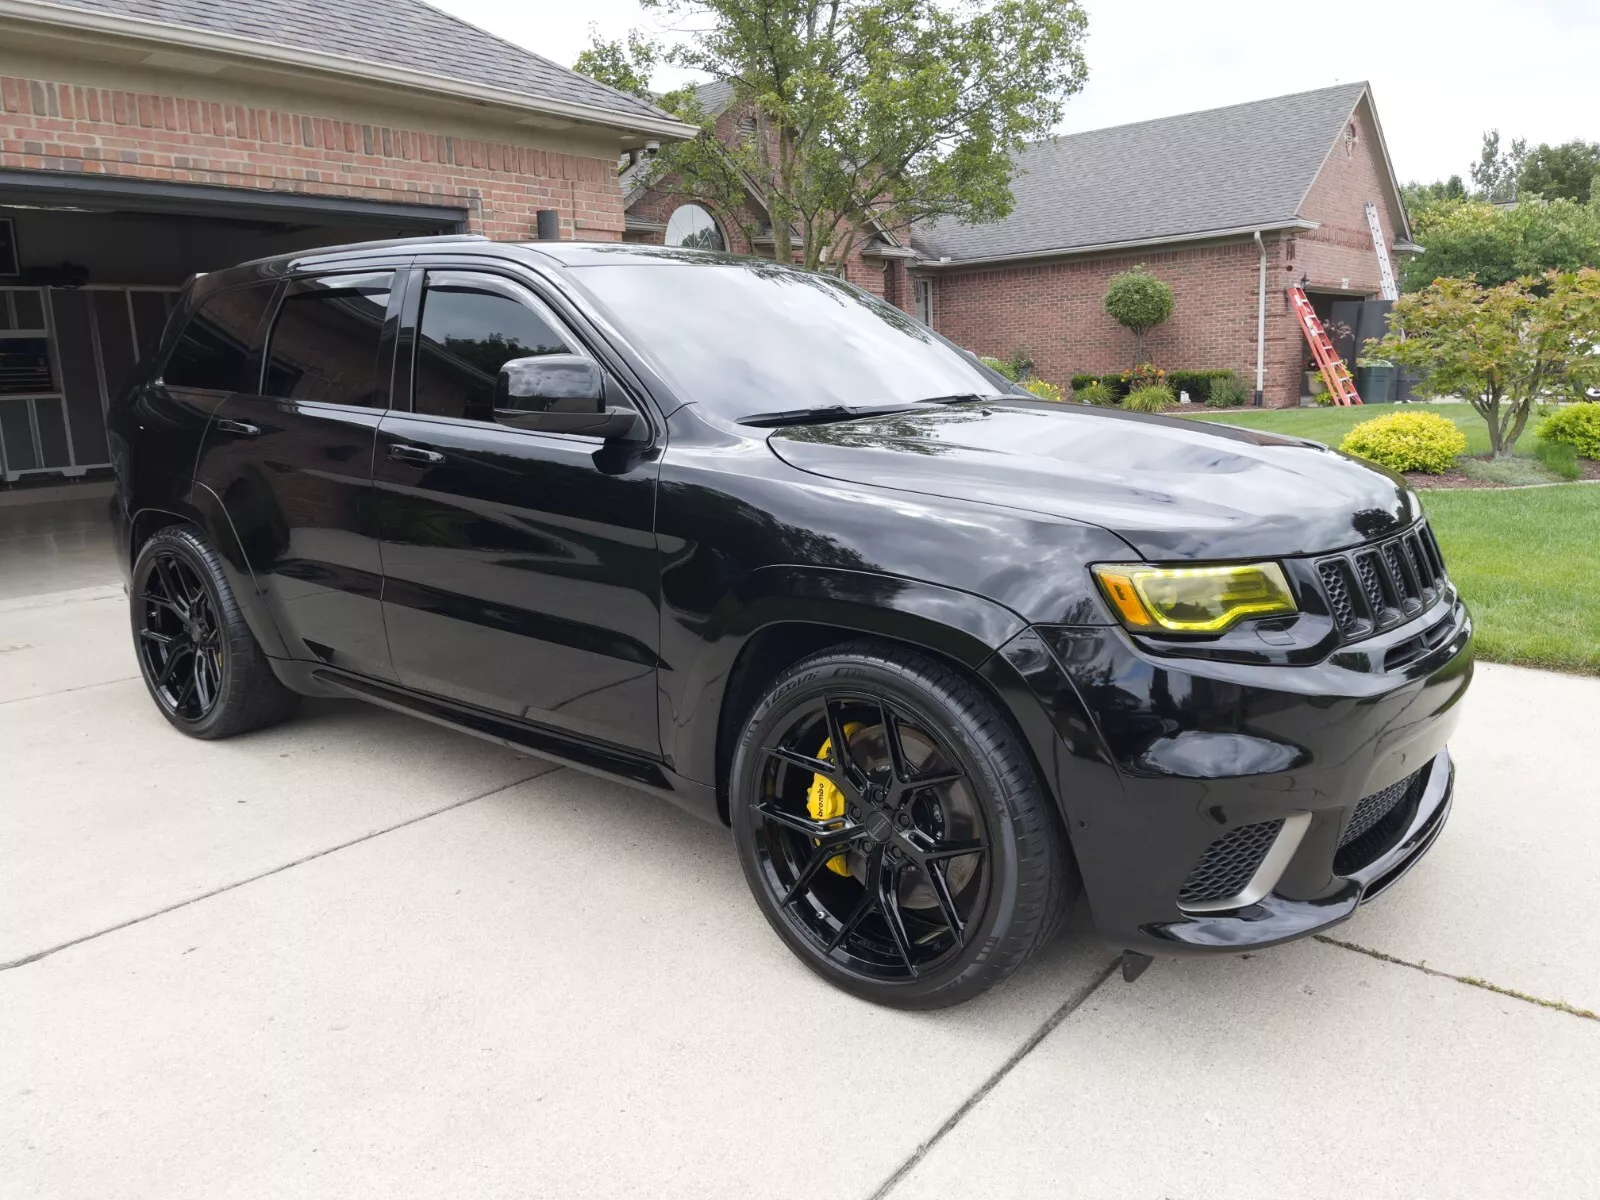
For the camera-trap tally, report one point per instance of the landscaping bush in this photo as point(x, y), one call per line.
point(1226, 392)
point(1575, 425)
point(1407, 442)
point(1043, 389)
point(1509, 472)
point(1143, 375)
point(1150, 398)
point(1560, 459)
point(999, 365)
point(1093, 392)
point(1197, 383)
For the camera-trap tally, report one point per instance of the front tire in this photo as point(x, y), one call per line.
point(197, 655)
point(923, 865)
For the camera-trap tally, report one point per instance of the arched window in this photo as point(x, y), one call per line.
point(692, 226)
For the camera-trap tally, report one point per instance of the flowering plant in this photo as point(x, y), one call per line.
point(1143, 376)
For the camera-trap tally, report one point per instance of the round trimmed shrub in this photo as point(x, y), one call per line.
point(1043, 389)
point(1575, 425)
point(1095, 393)
point(1150, 398)
point(1407, 442)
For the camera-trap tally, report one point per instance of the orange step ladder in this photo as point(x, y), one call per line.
point(1337, 375)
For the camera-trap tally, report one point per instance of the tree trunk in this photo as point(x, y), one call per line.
point(1138, 347)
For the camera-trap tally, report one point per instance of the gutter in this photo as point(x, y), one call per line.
point(1296, 223)
point(1261, 321)
point(164, 38)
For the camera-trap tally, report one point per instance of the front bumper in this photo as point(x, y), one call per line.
point(1155, 758)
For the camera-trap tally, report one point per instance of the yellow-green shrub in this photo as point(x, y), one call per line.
point(1042, 389)
point(1407, 442)
point(1575, 425)
point(1149, 398)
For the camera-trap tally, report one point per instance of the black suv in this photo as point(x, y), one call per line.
point(759, 543)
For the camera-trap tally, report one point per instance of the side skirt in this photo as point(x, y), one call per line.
point(606, 762)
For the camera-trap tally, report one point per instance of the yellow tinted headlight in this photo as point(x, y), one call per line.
point(1193, 599)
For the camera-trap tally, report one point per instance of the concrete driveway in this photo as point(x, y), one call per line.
point(359, 956)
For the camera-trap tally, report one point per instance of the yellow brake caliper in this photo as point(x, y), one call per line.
point(825, 802)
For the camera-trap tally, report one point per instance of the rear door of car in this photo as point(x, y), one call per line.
point(520, 568)
point(291, 459)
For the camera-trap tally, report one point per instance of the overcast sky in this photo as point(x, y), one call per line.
point(1443, 71)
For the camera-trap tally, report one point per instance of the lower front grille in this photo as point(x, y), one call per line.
point(1378, 820)
point(1229, 863)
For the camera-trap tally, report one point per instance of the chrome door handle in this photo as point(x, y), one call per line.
point(243, 429)
point(415, 455)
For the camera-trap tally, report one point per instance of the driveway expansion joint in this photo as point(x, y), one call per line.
point(1469, 980)
point(549, 768)
point(1068, 1007)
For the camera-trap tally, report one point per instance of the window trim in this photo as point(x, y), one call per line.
point(252, 351)
point(386, 333)
point(418, 286)
point(711, 216)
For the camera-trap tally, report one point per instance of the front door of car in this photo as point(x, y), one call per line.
point(292, 463)
point(520, 571)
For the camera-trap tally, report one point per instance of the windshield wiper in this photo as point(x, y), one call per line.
point(828, 412)
point(961, 398)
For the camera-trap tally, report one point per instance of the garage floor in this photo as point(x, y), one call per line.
point(359, 956)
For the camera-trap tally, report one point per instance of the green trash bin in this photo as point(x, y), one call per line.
point(1375, 384)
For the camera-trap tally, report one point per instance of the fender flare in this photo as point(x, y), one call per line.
point(202, 507)
point(945, 621)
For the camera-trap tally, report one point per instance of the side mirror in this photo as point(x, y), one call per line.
point(559, 393)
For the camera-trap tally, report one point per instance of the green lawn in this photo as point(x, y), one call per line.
point(1527, 560)
point(1527, 563)
point(1331, 424)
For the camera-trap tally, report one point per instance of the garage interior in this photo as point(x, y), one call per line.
point(90, 269)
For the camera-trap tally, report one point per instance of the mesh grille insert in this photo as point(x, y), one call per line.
point(1378, 820)
point(1229, 863)
point(1340, 602)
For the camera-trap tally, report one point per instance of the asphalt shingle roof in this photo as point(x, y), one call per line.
point(402, 33)
point(1243, 166)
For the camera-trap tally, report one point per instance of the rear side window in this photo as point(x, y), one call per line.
point(472, 325)
point(215, 345)
point(327, 340)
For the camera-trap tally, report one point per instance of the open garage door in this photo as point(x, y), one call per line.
point(94, 266)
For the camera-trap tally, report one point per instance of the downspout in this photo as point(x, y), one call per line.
point(1261, 321)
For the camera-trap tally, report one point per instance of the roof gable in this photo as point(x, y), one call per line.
point(1247, 166)
point(400, 33)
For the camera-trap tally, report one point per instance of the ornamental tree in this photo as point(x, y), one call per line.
point(865, 113)
point(1503, 348)
point(1139, 301)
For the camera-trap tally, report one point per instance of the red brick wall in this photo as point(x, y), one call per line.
point(1338, 255)
point(47, 126)
point(1055, 311)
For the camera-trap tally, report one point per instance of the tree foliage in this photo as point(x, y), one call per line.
point(1564, 172)
point(1497, 245)
point(1503, 348)
point(1495, 174)
point(865, 111)
point(1138, 300)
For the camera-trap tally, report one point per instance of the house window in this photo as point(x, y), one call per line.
point(925, 301)
point(694, 227)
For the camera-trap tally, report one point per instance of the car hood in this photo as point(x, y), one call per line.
point(1173, 488)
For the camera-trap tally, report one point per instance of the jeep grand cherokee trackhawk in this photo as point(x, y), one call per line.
point(750, 539)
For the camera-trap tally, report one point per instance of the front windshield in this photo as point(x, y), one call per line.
point(745, 337)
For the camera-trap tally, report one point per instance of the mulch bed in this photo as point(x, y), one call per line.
point(1455, 477)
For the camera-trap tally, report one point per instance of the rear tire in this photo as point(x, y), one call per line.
point(883, 889)
point(199, 660)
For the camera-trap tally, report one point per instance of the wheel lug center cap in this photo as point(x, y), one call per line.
point(879, 826)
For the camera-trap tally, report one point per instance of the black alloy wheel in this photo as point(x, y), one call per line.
point(198, 657)
point(893, 829)
point(180, 640)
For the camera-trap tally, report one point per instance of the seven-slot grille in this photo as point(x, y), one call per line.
point(1380, 585)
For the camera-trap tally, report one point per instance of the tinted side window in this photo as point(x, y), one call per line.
point(215, 345)
point(325, 343)
point(471, 326)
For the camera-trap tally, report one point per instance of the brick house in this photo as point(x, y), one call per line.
point(1213, 202)
point(144, 140)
